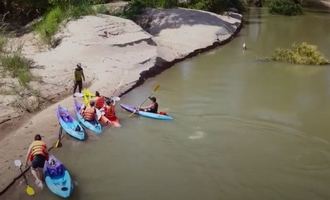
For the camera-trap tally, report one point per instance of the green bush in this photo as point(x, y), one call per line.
point(3, 42)
point(300, 54)
point(134, 8)
point(284, 7)
point(65, 9)
point(18, 66)
point(48, 26)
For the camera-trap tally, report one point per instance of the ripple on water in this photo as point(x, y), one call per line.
point(313, 159)
point(197, 135)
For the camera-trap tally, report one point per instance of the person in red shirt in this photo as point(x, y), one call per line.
point(99, 100)
point(109, 117)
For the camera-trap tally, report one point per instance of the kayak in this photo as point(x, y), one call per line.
point(69, 124)
point(95, 126)
point(159, 116)
point(57, 177)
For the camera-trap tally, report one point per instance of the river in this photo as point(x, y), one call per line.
point(244, 128)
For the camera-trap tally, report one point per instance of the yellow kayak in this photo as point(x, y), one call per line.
point(87, 96)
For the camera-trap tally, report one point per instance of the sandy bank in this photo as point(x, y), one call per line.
point(117, 54)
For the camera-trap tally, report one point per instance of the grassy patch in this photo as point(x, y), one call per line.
point(284, 7)
point(302, 53)
point(3, 42)
point(18, 67)
point(52, 20)
point(49, 25)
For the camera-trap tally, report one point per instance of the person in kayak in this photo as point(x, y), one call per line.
point(99, 100)
point(153, 107)
point(89, 112)
point(109, 117)
point(79, 77)
point(37, 154)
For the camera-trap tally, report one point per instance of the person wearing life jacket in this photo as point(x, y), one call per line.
point(99, 100)
point(79, 77)
point(89, 112)
point(37, 154)
point(153, 107)
point(109, 117)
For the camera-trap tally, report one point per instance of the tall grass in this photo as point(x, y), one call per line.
point(3, 42)
point(17, 66)
point(52, 20)
point(284, 7)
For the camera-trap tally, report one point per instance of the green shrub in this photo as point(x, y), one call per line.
point(49, 25)
point(217, 6)
point(300, 54)
point(284, 7)
point(134, 8)
point(18, 66)
point(101, 9)
point(65, 9)
point(3, 42)
point(200, 5)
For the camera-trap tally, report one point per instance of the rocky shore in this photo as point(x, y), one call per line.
point(117, 54)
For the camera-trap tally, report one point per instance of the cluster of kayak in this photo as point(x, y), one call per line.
point(57, 177)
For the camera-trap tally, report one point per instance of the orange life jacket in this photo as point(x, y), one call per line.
point(110, 113)
point(99, 102)
point(89, 113)
point(38, 148)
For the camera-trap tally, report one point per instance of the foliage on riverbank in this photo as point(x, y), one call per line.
point(61, 11)
point(302, 53)
point(285, 7)
point(135, 7)
point(14, 63)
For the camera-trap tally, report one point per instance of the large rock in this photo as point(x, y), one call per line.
point(179, 32)
point(31, 104)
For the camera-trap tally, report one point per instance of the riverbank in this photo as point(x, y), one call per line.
point(117, 55)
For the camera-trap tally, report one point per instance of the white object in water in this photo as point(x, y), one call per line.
point(244, 46)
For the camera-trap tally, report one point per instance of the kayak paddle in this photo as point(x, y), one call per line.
point(153, 91)
point(29, 190)
point(58, 142)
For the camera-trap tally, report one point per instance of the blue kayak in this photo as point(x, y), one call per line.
point(95, 126)
point(69, 124)
point(160, 116)
point(57, 177)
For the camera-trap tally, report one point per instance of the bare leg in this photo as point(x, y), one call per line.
point(36, 174)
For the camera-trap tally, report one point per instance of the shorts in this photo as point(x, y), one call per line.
point(38, 161)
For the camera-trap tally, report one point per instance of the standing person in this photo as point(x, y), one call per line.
point(153, 107)
point(79, 77)
point(37, 154)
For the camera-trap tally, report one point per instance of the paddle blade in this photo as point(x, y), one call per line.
point(29, 190)
point(18, 163)
point(58, 144)
point(114, 98)
point(156, 88)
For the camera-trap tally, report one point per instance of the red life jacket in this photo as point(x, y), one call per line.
point(110, 113)
point(99, 102)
